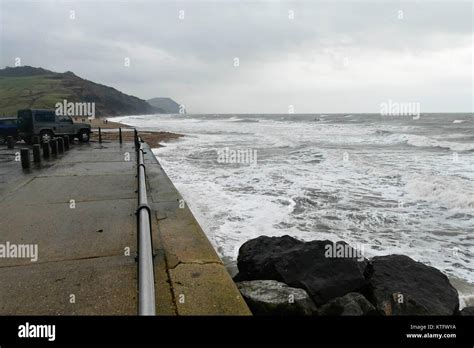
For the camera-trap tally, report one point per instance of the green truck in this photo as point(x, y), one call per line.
point(46, 124)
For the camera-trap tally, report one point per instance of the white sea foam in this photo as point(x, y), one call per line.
point(424, 141)
point(448, 192)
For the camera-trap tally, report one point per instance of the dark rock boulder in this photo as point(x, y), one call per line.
point(352, 303)
point(468, 311)
point(399, 285)
point(269, 297)
point(326, 270)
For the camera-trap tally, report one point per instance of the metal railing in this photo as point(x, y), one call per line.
point(146, 277)
point(119, 132)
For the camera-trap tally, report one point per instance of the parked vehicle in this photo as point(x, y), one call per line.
point(46, 124)
point(8, 127)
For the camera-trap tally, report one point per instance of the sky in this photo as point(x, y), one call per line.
point(255, 56)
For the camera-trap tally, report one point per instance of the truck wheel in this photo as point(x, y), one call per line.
point(46, 136)
point(83, 136)
point(3, 139)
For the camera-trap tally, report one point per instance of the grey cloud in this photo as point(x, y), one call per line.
point(176, 57)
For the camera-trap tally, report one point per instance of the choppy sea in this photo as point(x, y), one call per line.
point(387, 184)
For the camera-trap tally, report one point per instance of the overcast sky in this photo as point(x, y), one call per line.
point(331, 57)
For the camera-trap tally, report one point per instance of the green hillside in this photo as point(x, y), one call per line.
point(28, 87)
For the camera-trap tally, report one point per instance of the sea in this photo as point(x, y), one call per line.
point(384, 184)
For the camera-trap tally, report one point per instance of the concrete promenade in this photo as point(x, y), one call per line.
point(79, 211)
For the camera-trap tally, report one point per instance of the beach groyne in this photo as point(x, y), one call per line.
point(75, 215)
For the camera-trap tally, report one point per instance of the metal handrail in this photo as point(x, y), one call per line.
point(146, 277)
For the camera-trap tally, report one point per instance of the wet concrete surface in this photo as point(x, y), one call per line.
point(78, 209)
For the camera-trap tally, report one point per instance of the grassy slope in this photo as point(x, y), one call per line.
point(42, 92)
point(42, 89)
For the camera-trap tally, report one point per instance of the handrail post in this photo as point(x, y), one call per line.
point(46, 150)
point(137, 142)
point(25, 158)
point(11, 142)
